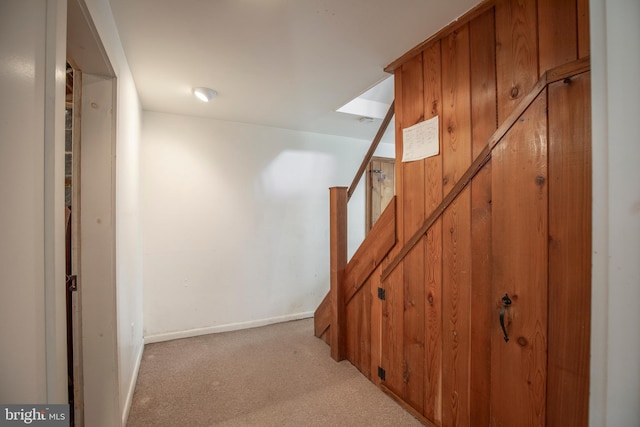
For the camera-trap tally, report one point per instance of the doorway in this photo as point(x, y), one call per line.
point(72, 244)
point(380, 188)
point(93, 311)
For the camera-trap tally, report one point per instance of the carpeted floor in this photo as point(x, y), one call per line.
point(277, 375)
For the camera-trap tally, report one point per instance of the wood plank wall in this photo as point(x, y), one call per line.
point(435, 331)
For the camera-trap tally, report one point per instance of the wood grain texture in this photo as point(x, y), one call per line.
point(520, 260)
point(433, 245)
point(569, 251)
point(376, 326)
point(338, 261)
point(516, 52)
point(358, 319)
point(393, 332)
point(557, 33)
point(456, 223)
point(413, 265)
point(484, 123)
point(353, 315)
point(406, 406)
point(399, 252)
point(392, 315)
point(569, 69)
point(584, 39)
point(371, 252)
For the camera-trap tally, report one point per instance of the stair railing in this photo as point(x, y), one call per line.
point(338, 199)
point(372, 149)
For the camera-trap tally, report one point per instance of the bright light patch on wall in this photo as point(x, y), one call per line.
point(298, 174)
point(373, 103)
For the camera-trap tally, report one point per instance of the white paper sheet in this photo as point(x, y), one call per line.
point(421, 140)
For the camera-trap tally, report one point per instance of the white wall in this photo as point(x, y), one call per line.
point(615, 344)
point(32, 311)
point(128, 238)
point(235, 222)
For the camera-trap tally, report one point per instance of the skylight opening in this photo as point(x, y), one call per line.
point(373, 103)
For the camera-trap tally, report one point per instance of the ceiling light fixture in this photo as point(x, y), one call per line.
point(204, 94)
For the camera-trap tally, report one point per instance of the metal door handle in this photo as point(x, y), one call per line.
point(506, 302)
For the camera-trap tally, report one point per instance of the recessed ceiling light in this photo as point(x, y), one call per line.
point(204, 94)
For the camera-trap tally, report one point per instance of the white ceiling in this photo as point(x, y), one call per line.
point(282, 63)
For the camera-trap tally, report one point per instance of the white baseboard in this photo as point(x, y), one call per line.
point(225, 328)
point(132, 385)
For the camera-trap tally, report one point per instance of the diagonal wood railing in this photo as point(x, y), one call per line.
point(550, 76)
point(331, 312)
point(372, 149)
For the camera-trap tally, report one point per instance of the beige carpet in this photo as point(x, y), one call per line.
point(278, 375)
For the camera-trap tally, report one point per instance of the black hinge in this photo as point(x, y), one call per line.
point(382, 374)
point(381, 294)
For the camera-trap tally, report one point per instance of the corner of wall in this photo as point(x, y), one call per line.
point(128, 398)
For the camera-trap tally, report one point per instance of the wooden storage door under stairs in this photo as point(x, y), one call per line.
point(539, 180)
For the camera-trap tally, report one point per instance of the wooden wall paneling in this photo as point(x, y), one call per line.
point(516, 52)
point(375, 345)
point(520, 261)
point(393, 332)
point(364, 330)
point(353, 314)
point(557, 33)
point(371, 252)
point(358, 318)
point(569, 251)
point(484, 123)
point(413, 265)
point(392, 326)
point(583, 29)
point(365, 335)
point(433, 245)
point(456, 223)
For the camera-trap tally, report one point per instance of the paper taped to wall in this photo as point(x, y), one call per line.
point(421, 140)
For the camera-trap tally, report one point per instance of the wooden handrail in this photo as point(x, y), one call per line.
point(372, 149)
point(549, 76)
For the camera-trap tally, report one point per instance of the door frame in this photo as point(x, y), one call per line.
point(96, 390)
point(369, 220)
